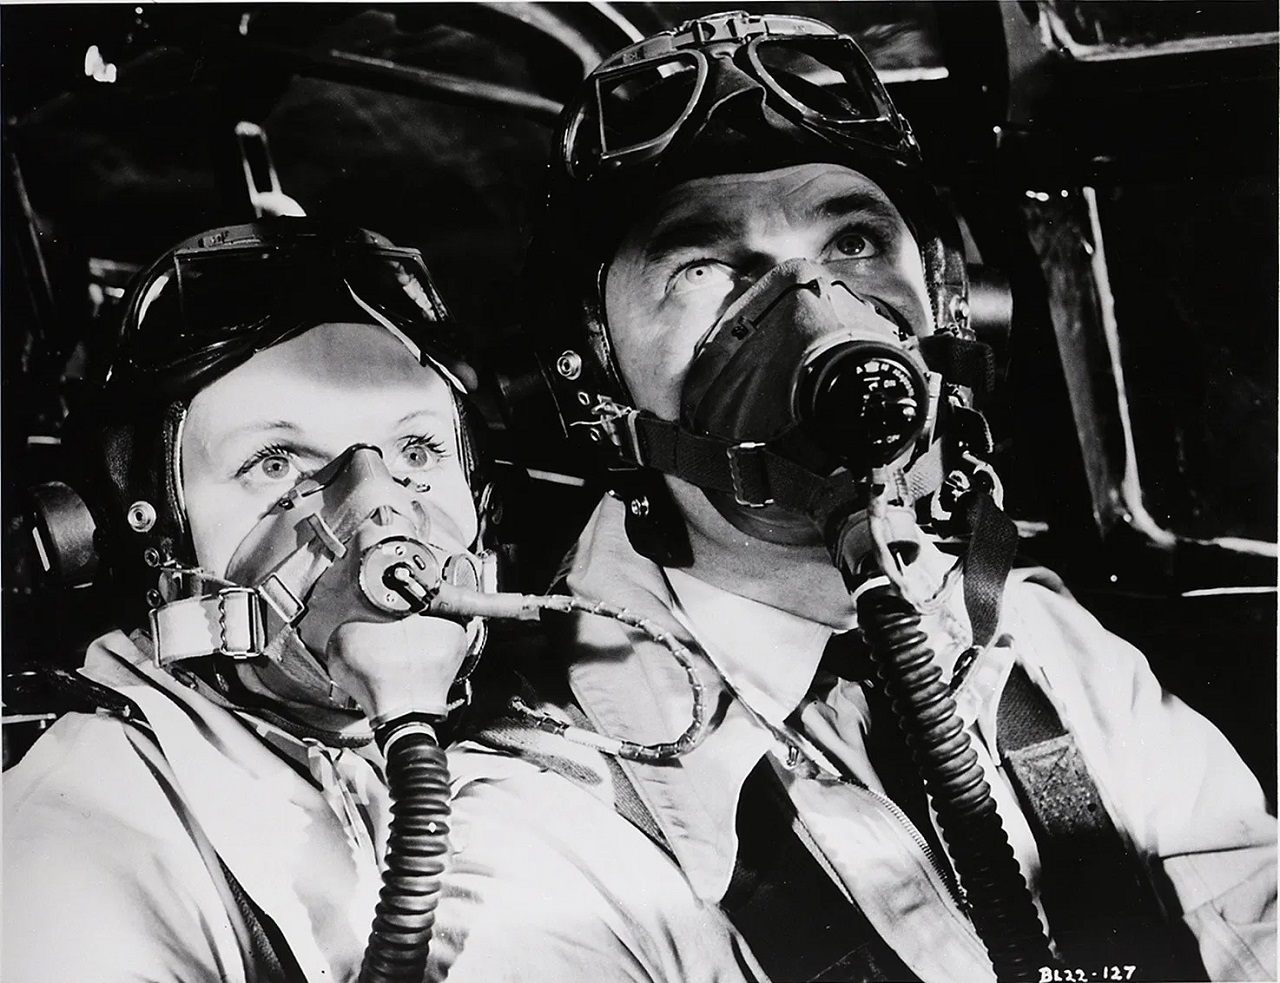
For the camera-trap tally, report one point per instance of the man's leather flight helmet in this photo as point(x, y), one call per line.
point(205, 307)
point(727, 93)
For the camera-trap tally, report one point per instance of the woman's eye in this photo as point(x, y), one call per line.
point(276, 467)
point(270, 464)
point(852, 245)
point(704, 273)
point(420, 454)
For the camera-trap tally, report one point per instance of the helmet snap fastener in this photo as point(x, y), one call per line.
point(569, 365)
point(141, 516)
point(639, 507)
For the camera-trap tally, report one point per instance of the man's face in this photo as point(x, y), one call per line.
point(251, 435)
point(710, 239)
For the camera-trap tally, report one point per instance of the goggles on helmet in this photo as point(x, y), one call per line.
point(644, 99)
point(215, 301)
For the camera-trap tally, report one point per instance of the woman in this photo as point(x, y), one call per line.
point(285, 475)
point(283, 413)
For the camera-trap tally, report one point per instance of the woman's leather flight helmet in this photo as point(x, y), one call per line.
point(205, 307)
point(727, 93)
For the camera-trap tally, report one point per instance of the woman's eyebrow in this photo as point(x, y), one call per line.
point(257, 427)
point(424, 414)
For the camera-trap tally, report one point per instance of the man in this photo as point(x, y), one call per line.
point(753, 310)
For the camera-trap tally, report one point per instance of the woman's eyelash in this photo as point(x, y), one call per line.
point(260, 455)
point(433, 444)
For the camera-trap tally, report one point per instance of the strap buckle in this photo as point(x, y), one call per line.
point(241, 637)
point(229, 623)
point(749, 453)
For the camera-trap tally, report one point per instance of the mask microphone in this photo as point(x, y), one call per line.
point(863, 401)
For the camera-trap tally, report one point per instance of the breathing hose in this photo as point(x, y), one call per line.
point(417, 769)
point(418, 780)
point(1000, 903)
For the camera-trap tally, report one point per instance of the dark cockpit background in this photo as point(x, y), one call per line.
point(1113, 164)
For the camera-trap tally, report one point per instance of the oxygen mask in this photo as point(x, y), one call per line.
point(310, 589)
point(822, 375)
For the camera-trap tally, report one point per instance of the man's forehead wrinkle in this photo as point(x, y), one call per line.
point(841, 204)
point(691, 229)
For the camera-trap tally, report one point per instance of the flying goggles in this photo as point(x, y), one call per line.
point(648, 97)
point(220, 298)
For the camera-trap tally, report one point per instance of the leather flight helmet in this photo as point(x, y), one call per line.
point(203, 308)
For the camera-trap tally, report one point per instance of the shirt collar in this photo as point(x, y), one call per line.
point(767, 656)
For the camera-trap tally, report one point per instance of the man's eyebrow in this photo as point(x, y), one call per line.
point(694, 232)
point(849, 203)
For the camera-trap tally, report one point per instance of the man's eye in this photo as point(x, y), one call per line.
point(852, 245)
point(704, 273)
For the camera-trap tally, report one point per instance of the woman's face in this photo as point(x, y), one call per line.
point(251, 435)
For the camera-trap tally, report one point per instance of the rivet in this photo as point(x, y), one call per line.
point(584, 398)
point(141, 516)
point(639, 507)
point(153, 598)
point(593, 436)
point(569, 365)
point(151, 556)
point(960, 310)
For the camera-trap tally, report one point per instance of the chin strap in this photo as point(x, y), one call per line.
point(755, 473)
point(758, 474)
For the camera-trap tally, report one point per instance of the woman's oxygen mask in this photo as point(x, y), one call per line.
point(804, 365)
point(307, 595)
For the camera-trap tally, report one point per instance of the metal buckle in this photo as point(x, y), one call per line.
point(618, 423)
point(734, 453)
point(257, 632)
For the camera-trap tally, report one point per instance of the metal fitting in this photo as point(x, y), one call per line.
point(569, 364)
point(141, 516)
point(639, 507)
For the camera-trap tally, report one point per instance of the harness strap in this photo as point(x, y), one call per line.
point(271, 953)
point(271, 959)
point(626, 799)
point(1097, 895)
point(992, 549)
point(798, 923)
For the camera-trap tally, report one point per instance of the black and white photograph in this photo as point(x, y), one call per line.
point(656, 492)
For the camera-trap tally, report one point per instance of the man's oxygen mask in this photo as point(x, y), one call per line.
point(818, 373)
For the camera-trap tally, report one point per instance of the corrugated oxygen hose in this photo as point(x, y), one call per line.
point(1000, 904)
point(418, 779)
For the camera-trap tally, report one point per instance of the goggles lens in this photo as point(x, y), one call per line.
point(825, 78)
point(636, 108)
point(209, 305)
